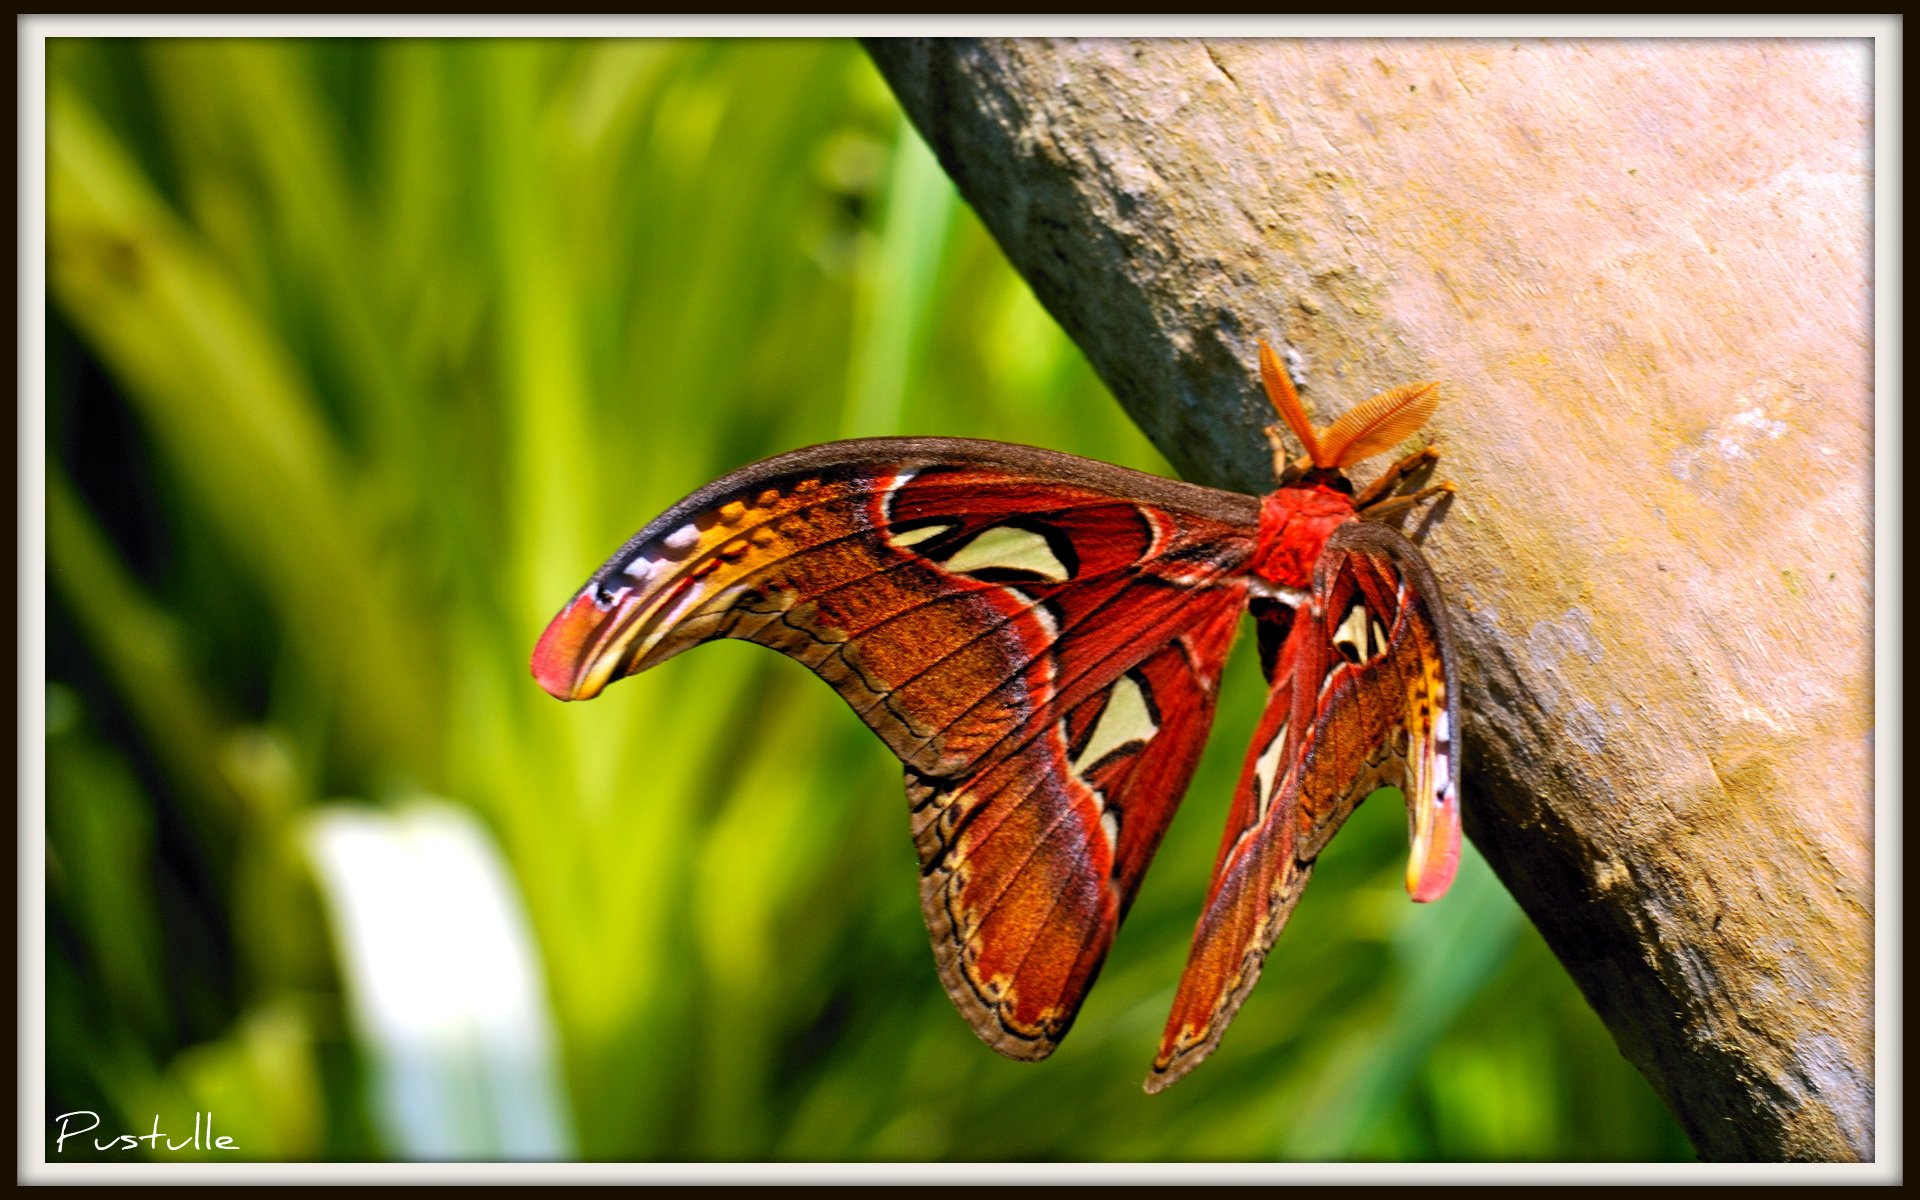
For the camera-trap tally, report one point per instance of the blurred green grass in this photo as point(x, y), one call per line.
point(363, 355)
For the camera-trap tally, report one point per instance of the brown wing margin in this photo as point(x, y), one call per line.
point(829, 458)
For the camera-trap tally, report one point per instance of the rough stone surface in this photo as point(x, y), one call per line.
point(1643, 271)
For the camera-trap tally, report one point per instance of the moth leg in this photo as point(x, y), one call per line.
point(1391, 477)
point(1399, 504)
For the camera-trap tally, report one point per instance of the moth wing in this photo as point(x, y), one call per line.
point(1037, 637)
point(1028, 866)
point(1363, 696)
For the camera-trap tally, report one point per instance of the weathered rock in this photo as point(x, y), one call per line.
point(1643, 271)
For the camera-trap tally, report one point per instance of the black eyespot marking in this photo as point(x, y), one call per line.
point(1272, 622)
point(1059, 543)
point(1114, 820)
point(1055, 612)
point(1146, 696)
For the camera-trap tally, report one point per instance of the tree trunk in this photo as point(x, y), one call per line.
point(1642, 271)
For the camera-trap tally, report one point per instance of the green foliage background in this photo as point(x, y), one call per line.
point(363, 355)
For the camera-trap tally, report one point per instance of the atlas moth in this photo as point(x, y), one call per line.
point(1039, 639)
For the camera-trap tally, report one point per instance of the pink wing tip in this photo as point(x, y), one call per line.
point(1436, 858)
point(556, 657)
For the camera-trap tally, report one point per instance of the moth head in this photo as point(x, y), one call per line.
point(1373, 427)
